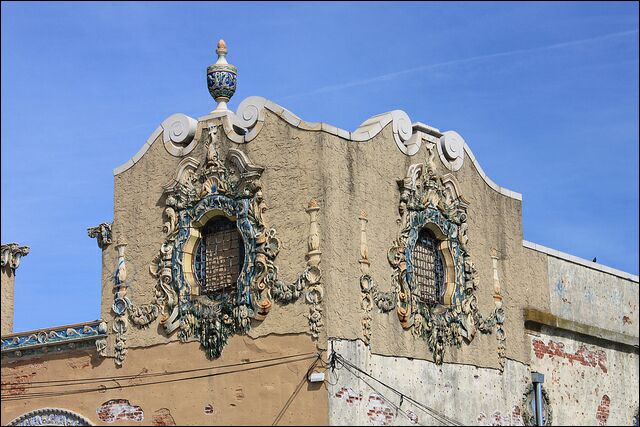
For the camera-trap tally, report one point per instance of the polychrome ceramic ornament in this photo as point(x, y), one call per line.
point(222, 76)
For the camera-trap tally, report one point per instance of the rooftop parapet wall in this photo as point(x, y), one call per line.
point(591, 294)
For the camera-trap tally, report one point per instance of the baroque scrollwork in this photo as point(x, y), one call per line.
point(121, 305)
point(431, 201)
point(385, 301)
point(223, 186)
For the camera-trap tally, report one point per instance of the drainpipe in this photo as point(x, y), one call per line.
point(537, 379)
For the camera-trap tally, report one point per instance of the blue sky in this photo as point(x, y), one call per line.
point(545, 94)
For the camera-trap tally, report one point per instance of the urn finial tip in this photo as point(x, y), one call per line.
point(222, 47)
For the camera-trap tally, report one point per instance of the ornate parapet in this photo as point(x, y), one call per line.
point(63, 338)
point(102, 234)
point(11, 253)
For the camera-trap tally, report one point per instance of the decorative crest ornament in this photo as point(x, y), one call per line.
point(222, 78)
point(102, 234)
point(225, 187)
point(11, 254)
point(433, 202)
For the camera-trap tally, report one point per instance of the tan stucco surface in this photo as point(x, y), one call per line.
point(238, 391)
point(7, 283)
point(346, 177)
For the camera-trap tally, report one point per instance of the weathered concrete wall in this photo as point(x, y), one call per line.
point(237, 389)
point(464, 393)
point(593, 297)
point(588, 381)
point(7, 287)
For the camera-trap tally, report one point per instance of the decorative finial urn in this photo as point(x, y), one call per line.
point(222, 78)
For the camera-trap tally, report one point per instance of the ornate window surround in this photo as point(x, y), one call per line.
point(430, 201)
point(200, 192)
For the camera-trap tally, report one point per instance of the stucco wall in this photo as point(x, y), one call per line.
point(464, 393)
point(290, 180)
point(588, 382)
point(593, 297)
point(346, 177)
point(7, 287)
point(255, 382)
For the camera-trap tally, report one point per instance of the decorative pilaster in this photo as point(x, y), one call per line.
point(10, 256)
point(102, 234)
point(315, 292)
point(365, 279)
point(120, 305)
point(499, 312)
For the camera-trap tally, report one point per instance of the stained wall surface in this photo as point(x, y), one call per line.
point(593, 297)
point(255, 382)
point(466, 394)
point(588, 383)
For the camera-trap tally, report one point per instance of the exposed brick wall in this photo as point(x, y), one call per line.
point(583, 356)
point(602, 413)
point(119, 410)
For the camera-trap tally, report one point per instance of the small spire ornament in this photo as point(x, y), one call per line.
point(222, 78)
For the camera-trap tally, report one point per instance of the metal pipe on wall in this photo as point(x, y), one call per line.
point(537, 379)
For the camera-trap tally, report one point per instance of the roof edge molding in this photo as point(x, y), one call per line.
point(245, 124)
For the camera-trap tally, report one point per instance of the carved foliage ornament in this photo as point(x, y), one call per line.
point(231, 189)
point(429, 201)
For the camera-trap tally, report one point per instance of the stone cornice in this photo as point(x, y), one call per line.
point(11, 254)
point(537, 317)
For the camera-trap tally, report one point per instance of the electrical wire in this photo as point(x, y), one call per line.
point(435, 414)
point(102, 388)
point(81, 381)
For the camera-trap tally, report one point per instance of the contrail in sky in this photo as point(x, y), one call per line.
point(383, 77)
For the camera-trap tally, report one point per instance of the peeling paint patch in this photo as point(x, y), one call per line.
point(163, 417)
point(348, 395)
point(119, 410)
point(209, 409)
point(602, 413)
point(583, 356)
point(378, 412)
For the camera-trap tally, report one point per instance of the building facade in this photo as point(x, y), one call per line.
point(261, 269)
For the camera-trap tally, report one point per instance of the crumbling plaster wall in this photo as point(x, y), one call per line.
point(588, 381)
point(467, 394)
point(236, 389)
